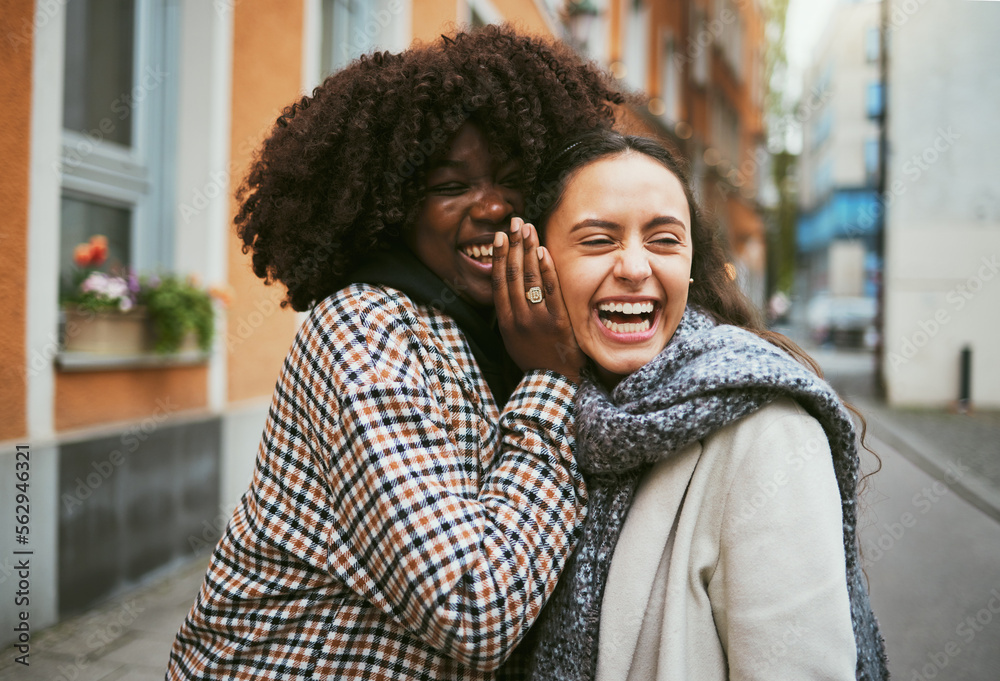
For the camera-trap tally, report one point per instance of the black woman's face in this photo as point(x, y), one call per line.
point(469, 198)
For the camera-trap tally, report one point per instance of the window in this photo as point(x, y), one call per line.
point(872, 40)
point(700, 47)
point(875, 101)
point(725, 129)
point(730, 39)
point(119, 130)
point(345, 33)
point(670, 87)
point(483, 12)
point(637, 47)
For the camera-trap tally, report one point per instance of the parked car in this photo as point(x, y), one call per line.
point(842, 321)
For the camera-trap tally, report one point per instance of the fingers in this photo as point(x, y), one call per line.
point(531, 270)
point(514, 271)
point(550, 284)
point(501, 296)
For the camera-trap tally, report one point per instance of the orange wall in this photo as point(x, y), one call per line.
point(126, 395)
point(15, 101)
point(267, 76)
point(431, 18)
point(524, 14)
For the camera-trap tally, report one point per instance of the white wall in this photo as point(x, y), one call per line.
point(943, 222)
point(242, 429)
point(203, 179)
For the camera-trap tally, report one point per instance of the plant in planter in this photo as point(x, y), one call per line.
point(122, 313)
point(100, 309)
point(181, 313)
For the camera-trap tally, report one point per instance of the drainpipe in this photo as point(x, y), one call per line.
point(883, 158)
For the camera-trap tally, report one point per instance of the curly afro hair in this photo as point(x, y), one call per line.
point(342, 172)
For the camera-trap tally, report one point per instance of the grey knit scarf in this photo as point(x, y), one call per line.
point(707, 377)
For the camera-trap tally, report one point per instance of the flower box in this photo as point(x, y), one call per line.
point(122, 313)
point(107, 332)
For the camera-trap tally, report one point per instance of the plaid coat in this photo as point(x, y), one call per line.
point(398, 525)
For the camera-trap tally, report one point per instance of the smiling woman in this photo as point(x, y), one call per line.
point(621, 241)
point(691, 411)
point(470, 196)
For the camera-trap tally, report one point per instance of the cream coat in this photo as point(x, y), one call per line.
point(731, 562)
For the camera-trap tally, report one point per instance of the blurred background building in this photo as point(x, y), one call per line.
point(897, 245)
point(838, 175)
point(702, 66)
point(136, 120)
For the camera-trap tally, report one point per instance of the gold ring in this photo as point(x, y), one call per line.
point(534, 294)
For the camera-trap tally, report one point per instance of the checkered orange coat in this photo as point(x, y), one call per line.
point(398, 525)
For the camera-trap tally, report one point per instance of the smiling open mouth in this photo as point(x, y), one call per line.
point(483, 254)
point(627, 317)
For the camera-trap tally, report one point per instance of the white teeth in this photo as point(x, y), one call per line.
point(626, 308)
point(626, 328)
point(479, 251)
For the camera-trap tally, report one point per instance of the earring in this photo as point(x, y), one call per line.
point(691, 280)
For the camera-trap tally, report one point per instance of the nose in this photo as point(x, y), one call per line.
point(632, 265)
point(493, 204)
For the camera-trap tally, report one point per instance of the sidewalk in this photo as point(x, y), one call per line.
point(966, 446)
point(125, 639)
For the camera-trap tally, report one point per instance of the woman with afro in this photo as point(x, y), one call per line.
point(415, 496)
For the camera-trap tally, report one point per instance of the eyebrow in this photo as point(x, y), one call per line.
point(607, 224)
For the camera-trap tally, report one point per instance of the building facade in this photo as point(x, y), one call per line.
point(701, 67)
point(942, 204)
point(838, 169)
point(136, 120)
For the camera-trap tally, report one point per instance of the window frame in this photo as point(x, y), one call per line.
point(139, 177)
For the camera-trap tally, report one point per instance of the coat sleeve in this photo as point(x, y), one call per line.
point(779, 593)
point(465, 570)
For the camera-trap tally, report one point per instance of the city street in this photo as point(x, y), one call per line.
point(933, 562)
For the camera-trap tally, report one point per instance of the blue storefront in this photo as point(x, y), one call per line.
point(848, 214)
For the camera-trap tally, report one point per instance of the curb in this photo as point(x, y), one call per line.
point(972, 487)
